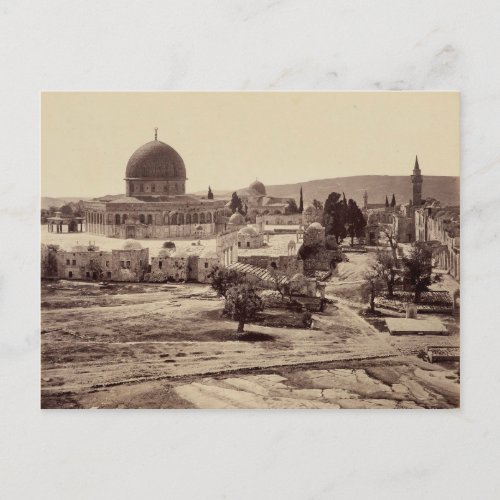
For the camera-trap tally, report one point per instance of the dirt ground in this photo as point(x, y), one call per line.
point(167, 346)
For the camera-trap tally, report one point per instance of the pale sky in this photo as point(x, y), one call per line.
point(228, 139)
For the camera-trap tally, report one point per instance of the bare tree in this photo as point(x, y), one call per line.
point(386, 269)
point(392, 238)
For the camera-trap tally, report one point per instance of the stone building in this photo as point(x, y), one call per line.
point(90, 263)
point(440, 227)
point(156, 204)
point(248, 237)
point(227, 247)
point(258, 201)
point(65, 224)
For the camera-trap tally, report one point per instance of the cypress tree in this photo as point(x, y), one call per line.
point(386, 201)
point(210, 195)
point(393, 201)
point(301, 202)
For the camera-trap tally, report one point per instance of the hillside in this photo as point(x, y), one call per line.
point(48, 201)
point(443, 188)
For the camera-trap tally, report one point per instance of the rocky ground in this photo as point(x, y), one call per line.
point(167, 346)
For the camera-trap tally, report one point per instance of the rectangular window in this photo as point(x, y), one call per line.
point(239, 244)
point(67, 262)
point(248, 244)
point(109, 274)
point(74, 262)
point(122, 264)
point(87, 274)
point(107, 263)
point(160, 263)
point(70, 274)
point(128, 264)
point(206, 265)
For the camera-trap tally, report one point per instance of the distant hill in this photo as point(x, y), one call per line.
point(48, 201)
point(446, 189)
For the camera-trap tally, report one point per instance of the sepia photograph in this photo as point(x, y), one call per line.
point(250, 250)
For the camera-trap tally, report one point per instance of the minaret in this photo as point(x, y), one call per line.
point(416, 180)
point(365, 200)
point(156, 133)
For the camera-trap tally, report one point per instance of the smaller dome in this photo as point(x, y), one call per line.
point(248, 231)
point(131, 245)
point(237, 219)
point(258, 187)
point(315, 226)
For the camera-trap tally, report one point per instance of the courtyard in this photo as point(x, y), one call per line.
point(168, 346)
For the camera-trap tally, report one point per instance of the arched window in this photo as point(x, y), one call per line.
point(188, 218)
point(165, 220)
point(173, 219)
point(181, 218)
point(209, 217)
point(124, 218)
point(142, 219)
point(117, 219)
point(153, 188)
point(195, 218)
point(202, 218)
point(150, 219)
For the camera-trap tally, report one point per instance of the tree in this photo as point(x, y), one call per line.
point(317, 204)
point(386, 269)
point(371, 288)
point(222, 279)
point(67, 210)
point(355, 220)
point(334, 216)
point(210, 195)
point(49, 260)
point(242, 304)
point(236, 204)
point(386, 202)
point(417, 269)
point(393, 201)
point(301, 201)
point(393, 242)
point(96, 270)
point(292, 207)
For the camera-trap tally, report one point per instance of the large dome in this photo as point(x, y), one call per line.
point(156, 160)
point(257, 187)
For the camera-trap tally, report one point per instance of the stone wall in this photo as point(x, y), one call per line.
point(227, 247)
point(80, 264)
point(129, 265)
point(182, 268)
